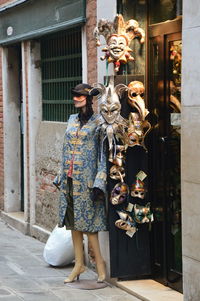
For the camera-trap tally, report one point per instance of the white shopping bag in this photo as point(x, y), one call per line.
point(59, 250)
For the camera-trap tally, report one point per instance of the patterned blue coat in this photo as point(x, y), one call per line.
point(88, 172)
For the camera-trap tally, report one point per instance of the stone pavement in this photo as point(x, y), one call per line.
point(24, 275)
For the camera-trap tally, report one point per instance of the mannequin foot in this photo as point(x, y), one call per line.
point(101, 270)
point(77, 270)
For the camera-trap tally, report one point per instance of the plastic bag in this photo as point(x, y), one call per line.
point(59, 250)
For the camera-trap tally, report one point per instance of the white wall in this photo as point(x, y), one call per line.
point(35, 116)
point(105, 10)
point(191, 150)
point(11, 104)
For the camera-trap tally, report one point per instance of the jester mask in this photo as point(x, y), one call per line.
point(118, 36)
point(110, 121)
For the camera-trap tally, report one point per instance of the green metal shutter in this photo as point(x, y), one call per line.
point(61, 57)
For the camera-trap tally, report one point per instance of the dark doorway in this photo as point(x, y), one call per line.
point(164, 151)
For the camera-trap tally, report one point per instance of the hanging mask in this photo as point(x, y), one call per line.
point(111, 109)
point(119, 193)
point(118, 36)
point(137, 130)
point(110, 121)
point(143, 214)
point(119, 157)
point(136, 98)
point(125, 222)
point(117, 172)
point(137, 189)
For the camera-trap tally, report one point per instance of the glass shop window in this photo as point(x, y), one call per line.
point(61, 63)
point(163, 10)
point(134, 70)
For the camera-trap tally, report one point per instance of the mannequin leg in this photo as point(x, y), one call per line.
point(100, 264)
point(77, 237)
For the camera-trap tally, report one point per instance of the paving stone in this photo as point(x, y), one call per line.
point(22, 284)
point(39, 296)
point(4, 292)
point(11, 298)
point(75, 295)
point(25, 276)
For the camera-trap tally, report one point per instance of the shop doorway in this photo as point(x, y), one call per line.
point(164, 151)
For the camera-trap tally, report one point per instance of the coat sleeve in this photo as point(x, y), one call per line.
point(101, 176)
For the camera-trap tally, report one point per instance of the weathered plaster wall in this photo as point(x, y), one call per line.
point(48, 155)
point(1, 140)
point(11, 103)
point(190, 150)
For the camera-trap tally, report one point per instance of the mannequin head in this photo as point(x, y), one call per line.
point(79, 101)
point(82, 97)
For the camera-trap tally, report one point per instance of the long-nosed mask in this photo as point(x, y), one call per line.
point(136, 98)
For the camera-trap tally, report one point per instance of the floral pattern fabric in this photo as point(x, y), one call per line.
point(83, 147)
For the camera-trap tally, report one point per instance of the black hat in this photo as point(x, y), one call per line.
point(84, 89)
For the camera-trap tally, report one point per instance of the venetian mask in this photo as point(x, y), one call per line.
point(117, 172)
point(110, 110)
point(125, 222)
point(117, 46)
point(136, 98)
point(143, 214)
point(137, 130)
point(118, 35)
point(119, 193)
point(110, 121)
point(119, 156)
point(138, 189)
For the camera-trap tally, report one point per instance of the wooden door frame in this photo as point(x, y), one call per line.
point(161, 32)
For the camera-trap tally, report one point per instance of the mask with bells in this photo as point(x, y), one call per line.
point(143, 214)
point(138, 189)
point(119, 193)
point(110, 120)
point(136, 98)
point(118, 35)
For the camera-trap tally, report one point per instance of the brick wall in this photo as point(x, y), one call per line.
point(1, 139)
point(2, 2)
point(91, 9)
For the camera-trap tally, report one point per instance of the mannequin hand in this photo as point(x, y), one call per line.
point(98, 194)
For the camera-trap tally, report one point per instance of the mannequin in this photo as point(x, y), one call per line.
point(82, 182)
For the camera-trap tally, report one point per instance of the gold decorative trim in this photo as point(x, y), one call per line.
point(74, 162)
point(76, 193)
point(79, 133)
point(75, 152)
point(77, 172)
point(75, 141)
point(76, 182)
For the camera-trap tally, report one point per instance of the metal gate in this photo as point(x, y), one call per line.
point(61, 58)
